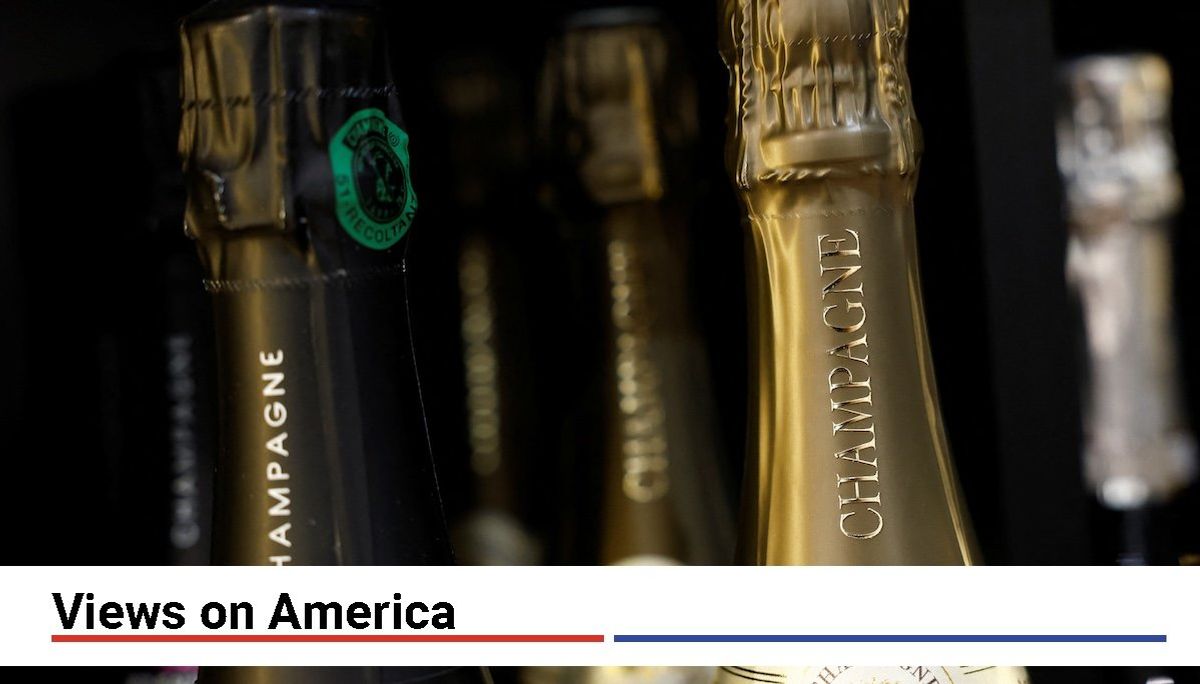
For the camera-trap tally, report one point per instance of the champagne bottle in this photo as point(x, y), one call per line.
point(620, 112)
point(1117, 160)
point(847, 459)
point(848, 462)
point(300, 197)
point(479, 99)
point(187, 398)
point(187, 378)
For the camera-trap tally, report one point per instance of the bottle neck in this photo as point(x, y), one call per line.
point(847, 460)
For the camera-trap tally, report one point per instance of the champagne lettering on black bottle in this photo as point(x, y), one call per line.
point(300, 197)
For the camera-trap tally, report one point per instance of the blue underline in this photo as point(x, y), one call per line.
point(897, 638)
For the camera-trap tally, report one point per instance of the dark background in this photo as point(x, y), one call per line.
point(89, 213)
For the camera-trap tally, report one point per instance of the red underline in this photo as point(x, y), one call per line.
point(324, 638)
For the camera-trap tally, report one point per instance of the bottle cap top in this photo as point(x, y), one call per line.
point(820, 88)
point(616, 106)
point(1115, 150)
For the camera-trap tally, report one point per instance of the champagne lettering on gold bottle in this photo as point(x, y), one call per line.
point(847, 459)
point(848, 462)
point(622, 110)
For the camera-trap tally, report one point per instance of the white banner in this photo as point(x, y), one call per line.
point(599, 616)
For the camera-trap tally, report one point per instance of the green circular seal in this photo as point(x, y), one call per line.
point(375, 198)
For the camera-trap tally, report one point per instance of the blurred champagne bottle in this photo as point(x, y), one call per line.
point(140, 335)
point(848, 461)
point(186, 395)
point(300, 198)
point(488, 150)
point(188, 376)
point(139, 459)
point(1117, 159)
point(618, 113)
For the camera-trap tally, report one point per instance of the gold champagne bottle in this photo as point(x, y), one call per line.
point(622, 113)
point(621, 117)
point(847, 460)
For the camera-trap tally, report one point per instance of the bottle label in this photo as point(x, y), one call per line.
point(375, 199)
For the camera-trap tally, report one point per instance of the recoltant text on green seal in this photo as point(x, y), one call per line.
point(375, 199)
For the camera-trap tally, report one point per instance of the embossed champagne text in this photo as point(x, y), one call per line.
point(275, 416)
point(859, 505)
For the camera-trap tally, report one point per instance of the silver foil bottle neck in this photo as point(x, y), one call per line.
point(1116, 158)
point(1116, 152)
